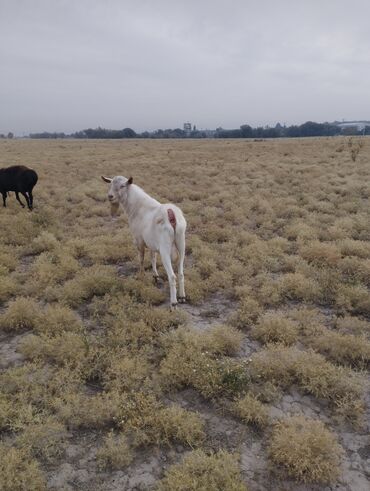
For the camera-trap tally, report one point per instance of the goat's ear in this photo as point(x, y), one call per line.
point(106, 179)
point(129, 181)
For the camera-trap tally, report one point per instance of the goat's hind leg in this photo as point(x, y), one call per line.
point(153, 257)
point(31, 199)
point(4, 198)
point(166, 260)
point(181, 250)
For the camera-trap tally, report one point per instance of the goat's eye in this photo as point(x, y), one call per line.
point(122, 186)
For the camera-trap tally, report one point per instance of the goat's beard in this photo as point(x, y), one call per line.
point(114, 210)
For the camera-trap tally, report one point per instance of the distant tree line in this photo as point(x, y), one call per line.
point(307, 129)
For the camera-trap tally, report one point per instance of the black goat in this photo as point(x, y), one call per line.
point(19, 179)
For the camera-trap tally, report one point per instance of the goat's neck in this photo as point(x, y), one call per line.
point(136, 201)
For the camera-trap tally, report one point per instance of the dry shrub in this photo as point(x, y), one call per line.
point(275, 328)
point(45, 440)
point(143, 290)
point(115, 453)
point(354, 299)
point(355, 270)
point(190, 361)
point(18, 471)
point(22, 313)
point(67, 348)
point(359, 248)
point(199, 471)
point(353, 325)
point(251, 411)
point(247, 313)
point(305, 450)
point(150, 422)
point(8, 287)
point(179, 425)
point(195, 286)
point(46, 241)
point(78, 410)
point(300, 231)
point(321, 254)
point(342, 348)
point(8, 259)
point(97, 280)
point(284, 366)
point(225, 340)
point(296, 286)
point(50, 269)
point(127, 372)
point(58, 318)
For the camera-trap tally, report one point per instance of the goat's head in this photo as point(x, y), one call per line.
point(117, 191)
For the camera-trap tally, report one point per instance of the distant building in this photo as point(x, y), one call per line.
point(347, 126)
point(187, 128)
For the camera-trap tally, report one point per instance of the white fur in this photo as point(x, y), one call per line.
point(150, 226)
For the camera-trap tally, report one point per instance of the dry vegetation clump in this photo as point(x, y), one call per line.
point(251, 411)
point(321, 254)
point(44, 440)
point(353, 325)
point(284, 366)
point(115, 453)
point(345, 349)
point(149, 421)
point(127, 372)
point(275, 328)
point(79, 410)
point(305, 450)
point(22, 313)
point(8, 287)
point(96, 280)
point(67, 348)
point(190, 361)
point(46, 241)
point(247, 313)
point(58, 318)
point(200, 472)
point(18, 471)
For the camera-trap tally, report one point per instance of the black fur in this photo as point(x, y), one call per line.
point(19, 179)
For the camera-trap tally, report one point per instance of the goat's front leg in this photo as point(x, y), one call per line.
point(166, 260)
point(19, 199)
point(4, 199)
point(153, 256)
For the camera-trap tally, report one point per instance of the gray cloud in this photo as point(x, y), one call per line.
point(72, 64)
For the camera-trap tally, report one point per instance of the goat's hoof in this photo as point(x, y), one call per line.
point(173, 306)
point(156, 279)
point(181, 299)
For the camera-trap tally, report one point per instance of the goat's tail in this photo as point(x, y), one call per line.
point(179, 241)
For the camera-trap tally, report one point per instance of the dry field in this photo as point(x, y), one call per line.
point(258, 382)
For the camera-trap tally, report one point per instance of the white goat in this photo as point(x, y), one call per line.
point(160, 228)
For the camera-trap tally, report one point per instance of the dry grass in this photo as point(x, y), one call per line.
point(18, 471)
point(306, 450)
point(275, 328)
point(251, 411)
point(115, 453)
point(277, 230)
point(199, 471)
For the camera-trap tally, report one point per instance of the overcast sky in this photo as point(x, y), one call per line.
point(66, 65)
